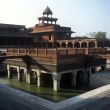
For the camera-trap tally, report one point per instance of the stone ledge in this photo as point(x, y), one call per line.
point(83, 97)
point(75, 102)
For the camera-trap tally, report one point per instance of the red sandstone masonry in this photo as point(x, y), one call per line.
point(54, 53)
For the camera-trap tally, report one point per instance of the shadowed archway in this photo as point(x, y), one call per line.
point(70, 45)
point(63, 45)
point(84, 45)
point(76, 45)
point(91, 44)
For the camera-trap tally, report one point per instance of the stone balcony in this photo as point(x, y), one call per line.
point(54, 52)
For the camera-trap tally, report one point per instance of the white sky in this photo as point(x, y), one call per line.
point(83, 16)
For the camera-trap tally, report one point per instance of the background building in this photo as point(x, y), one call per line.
point(47, 55)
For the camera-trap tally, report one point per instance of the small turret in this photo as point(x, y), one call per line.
point(47, 11)
point(46, 19)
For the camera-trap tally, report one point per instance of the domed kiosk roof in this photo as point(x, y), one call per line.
point(47, 11)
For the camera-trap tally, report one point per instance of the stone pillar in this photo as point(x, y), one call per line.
point(56, 82)
point(87, 44)
point(66, 44)
point(73, 80)
point(18, 72)
point(73, 45)
point(25, 72)
point(60, 45)
point(28, 78)
point(8, 70)
point(96, 44)
point(38, 78)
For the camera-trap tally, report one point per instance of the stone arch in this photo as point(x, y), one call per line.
point(63, 45)
point(77, 45)
point(100, 68)
point(70, 45)
point(91, 44)
point(84, 45)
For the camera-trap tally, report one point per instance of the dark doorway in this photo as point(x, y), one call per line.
point(13, 73)
point(83, 45)
point(82, 79)
point(79, 79)
point(91, 44)
point(93, 70)
point(65, 82)
point(46, 80)
point(70, 45)
point(22, 75)
point(102, 68)
point(33, 77)
point(63, 45)
point(76, 45)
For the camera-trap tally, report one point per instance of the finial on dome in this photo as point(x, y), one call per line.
point(47, 11)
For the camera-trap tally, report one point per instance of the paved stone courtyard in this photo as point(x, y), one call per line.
point(12, 99)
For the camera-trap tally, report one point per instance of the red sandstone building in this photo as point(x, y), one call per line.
point(47, 55)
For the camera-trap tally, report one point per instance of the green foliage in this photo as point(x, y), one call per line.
point(99, 36)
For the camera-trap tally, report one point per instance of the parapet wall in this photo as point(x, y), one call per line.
point(54, 52)
point(57, 56)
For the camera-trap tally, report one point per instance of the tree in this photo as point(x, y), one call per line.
point(100, 36)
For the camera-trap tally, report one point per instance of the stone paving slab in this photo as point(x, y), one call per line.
point(84, 98)
point(19, 100)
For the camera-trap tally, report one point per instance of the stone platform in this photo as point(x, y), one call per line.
point(12, 99)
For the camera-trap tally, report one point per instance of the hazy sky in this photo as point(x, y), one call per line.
point(83, 16)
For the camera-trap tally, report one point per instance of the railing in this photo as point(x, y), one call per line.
point(70, 51)
point(54, 52)
point(96, 51)
point(31, 52)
